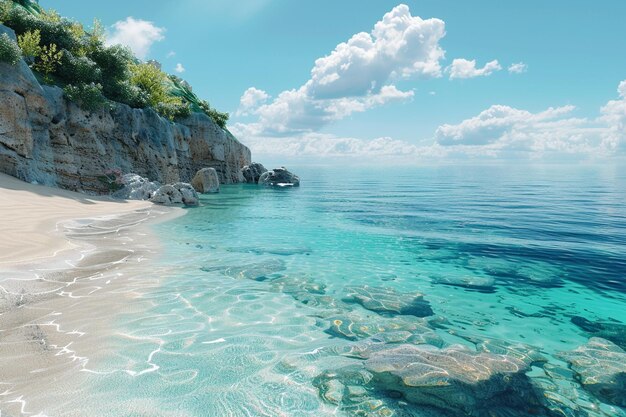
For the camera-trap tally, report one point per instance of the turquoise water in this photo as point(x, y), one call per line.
point(242, 324)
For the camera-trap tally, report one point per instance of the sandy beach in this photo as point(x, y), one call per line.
point(31, 213)
point(69, 263)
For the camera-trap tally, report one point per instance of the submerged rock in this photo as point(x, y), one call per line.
point(601, 368)
point(613, 331)
point(260, 271)
point(389, 301)
point(454, 379)
point(354, 327)
point(279, 177)
point(468, 281)
point(136, 187)
point(253, 172)
point(178, 193)
point(206, 181)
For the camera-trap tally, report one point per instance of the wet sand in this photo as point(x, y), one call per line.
point(70, 265)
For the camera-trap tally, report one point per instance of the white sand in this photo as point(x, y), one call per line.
point(56, 311)
point(29, 215)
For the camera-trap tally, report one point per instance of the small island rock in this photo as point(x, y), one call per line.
point(253, 172)
point(279, 177)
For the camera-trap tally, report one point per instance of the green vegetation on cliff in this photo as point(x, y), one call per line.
point(63, 52)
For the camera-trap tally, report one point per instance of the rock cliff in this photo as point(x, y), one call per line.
point(45, 138)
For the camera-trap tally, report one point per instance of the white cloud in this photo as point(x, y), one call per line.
point(170, 54)
point(497, 132)
point(179, 68)
point(518, 68)
point(357, 75)
point(250, 101)
point(137, 34)
point(503, 129)
point(463, 68)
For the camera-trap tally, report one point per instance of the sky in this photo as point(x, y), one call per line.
point(393, 82)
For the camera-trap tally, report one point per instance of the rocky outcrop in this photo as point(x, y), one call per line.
point(253, 172)
point(136, 187)
point(279, 177)
point(206, 181)
point(178, 193)
point(45, 138)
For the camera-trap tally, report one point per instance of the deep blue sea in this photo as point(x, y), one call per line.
point(255, 316)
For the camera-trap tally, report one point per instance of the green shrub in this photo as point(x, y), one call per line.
point(29, 43)
point(5, 8)
point(9, 50)
point(78, 70)
point(220, 118)
point(87, 96)
point(173, 110)
point(127, 93)
point(114, 63)
point(52, 32)
point(49, 60)
point(152, 80)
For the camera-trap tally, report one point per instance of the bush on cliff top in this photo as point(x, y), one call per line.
point(9, 51)
point(68, 55)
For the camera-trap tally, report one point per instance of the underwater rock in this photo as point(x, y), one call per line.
point(136, 187)
point(472, 282)
point(253, 172)
point(206, 181)
point(178, 193)
point(389, 301)
point(353, 327)
point(526, 353)
point(293, 286)
point(454, 379)
point(260, 271)
point(613, 331)
point(560, 393)
point(272, 250)
point(279, 177)
point(601, 368)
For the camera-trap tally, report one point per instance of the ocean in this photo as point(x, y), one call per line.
point(256, 312)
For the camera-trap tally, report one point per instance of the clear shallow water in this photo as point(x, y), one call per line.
point(236, 328)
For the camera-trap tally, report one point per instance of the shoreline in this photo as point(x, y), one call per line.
point(86, 262)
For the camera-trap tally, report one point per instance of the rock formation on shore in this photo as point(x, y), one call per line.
point(46, 139)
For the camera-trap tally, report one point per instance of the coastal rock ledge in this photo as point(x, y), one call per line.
point(49, 140)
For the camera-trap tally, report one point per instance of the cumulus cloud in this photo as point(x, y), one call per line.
point(250, 101)
point(179, 68)
point(518, 68)
point(497, 132)
point(357, 75)
point(500, 129)
point(137, 34)
point(463, 68)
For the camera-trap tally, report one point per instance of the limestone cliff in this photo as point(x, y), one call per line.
point(47, 139)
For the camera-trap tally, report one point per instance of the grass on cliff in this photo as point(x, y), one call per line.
point(63, 52)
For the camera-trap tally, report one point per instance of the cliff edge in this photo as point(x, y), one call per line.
point(46, 139)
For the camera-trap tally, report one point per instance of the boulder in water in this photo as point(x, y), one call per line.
point(253, 172)
point(178, 193)
point(279, 177)
point(206, 181)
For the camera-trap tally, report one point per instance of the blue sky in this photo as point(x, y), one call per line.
point(384, 98)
